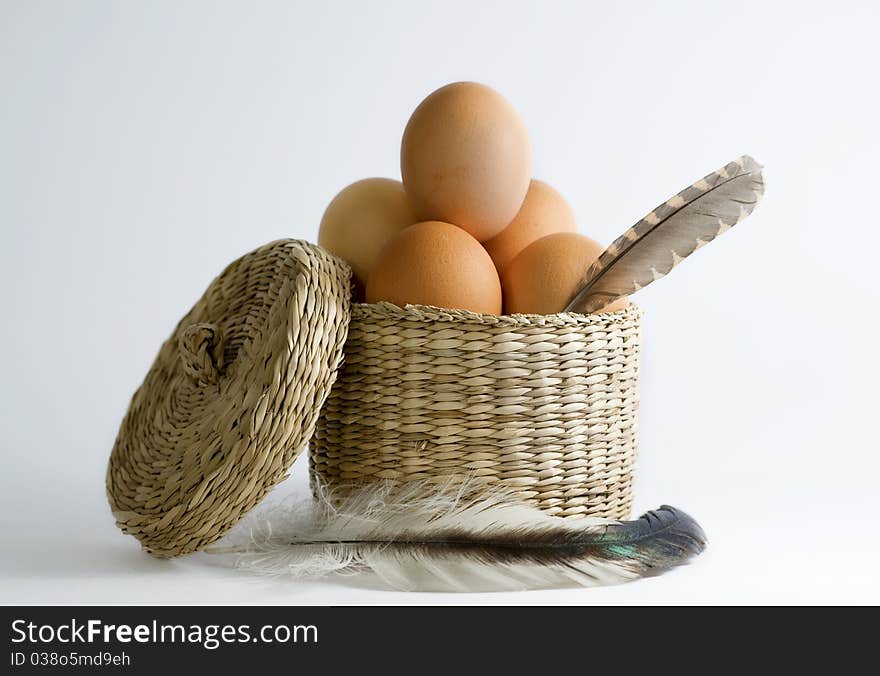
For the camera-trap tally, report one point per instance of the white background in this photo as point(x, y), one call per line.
point(145, 145)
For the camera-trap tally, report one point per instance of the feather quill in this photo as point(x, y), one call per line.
point(669, 234)
point(457, 537)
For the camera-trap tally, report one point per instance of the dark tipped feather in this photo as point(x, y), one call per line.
point(669, 234)
point(416, 537)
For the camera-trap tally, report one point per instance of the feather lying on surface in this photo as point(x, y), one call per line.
point(456, 537)
point(669, 234)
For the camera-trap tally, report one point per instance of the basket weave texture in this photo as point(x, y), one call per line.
point(231, 399)
point(545, 405)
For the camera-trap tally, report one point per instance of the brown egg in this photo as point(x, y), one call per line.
point(361, 219)
point(466, 159)
point(544, 276)
point(543, 212)
point(439, 264)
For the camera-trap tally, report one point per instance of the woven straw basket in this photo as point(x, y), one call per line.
point(274, 354)
point(544, 405)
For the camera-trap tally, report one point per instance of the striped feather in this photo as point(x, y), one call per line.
point(669, 234)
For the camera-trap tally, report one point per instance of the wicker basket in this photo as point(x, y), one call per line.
point(545, 405)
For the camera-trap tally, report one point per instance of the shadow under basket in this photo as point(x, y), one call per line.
point(541, 404)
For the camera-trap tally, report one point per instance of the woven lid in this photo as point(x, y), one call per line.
point(232, 398)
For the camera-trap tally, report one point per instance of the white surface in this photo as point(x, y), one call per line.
point(145, 145)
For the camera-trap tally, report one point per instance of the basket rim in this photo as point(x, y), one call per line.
point(429, 313)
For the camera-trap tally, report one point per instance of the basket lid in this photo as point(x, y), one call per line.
point(231, 399)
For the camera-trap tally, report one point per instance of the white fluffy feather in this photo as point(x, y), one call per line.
point(457, 536)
